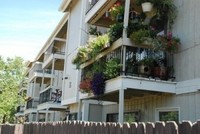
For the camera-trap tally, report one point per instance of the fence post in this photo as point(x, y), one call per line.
point(150, 128)
point(18, 129)
point(160, 128)
point(126, 128)
point(185, 127)
point(107, 128)
point(133, 127)
point(119, 128)
point(113, 128)
point(171, 128)
point(141, 128)
point(196, 128)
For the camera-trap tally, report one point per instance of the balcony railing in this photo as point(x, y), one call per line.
point(47, 55)
point(91, 5)
point(139, 62)
point(49, 96)
point(20, 109)
point(32, 104)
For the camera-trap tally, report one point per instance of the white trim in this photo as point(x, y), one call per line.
point(69, 101)
point(163, 109)
point(188, 86)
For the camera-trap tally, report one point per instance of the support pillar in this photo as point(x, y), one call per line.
point(79, 109)
point(37, 116)
point(126, 17)
point(46, 115)
point(121, 105)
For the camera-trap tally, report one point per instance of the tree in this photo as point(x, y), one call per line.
point(11, 74)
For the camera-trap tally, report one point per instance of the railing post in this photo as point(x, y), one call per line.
point(126, 18)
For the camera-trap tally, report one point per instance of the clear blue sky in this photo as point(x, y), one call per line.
point(25, 25)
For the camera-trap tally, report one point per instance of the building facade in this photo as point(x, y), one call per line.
point(166, 90)
point(113, 61)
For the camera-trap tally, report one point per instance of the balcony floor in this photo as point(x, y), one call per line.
point(139, 83)
point(51, 106)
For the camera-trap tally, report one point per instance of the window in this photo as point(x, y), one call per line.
point(128, 117)
point(167, 114)
point(73, 116)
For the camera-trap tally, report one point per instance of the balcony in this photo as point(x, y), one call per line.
point(50, 100)
point(50, 96)
point(37, 71)
point(55, 53)
point(138, 52)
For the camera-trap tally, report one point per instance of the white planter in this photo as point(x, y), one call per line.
point(147, 6)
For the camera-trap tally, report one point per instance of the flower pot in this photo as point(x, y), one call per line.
point(147, 6)
point(160, 72)
point(144, 70)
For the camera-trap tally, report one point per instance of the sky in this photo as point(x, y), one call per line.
point(25, 26)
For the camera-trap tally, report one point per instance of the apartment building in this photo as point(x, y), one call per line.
point(137, 91)
point(45, 76)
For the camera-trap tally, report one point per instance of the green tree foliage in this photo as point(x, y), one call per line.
point(11, 74)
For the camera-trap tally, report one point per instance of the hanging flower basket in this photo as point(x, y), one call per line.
point(98, 84)
point(85, 86)
point(147, 6)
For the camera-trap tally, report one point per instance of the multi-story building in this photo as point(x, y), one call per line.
point(34, 75)
point(129, 66)
point(45, 77)
point(139, 91)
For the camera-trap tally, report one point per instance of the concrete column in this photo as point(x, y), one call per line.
point(85, 114)
point(42, 86)
point(34, 86)
point(121, 105)
point(37, 116)
point(46, 115)
point(79, 109)
point(52, 70)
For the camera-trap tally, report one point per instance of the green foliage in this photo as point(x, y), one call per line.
point(115, 31)
point(80, 56)
point(11, 74)
point(98, 44)
point(112, 68)
point(169, 116)
point(116, 10)
point(90, 50)
point(94, 31)
point(139, 36)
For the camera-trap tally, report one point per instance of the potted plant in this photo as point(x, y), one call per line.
point(160, 69)
point(98, 44)
point(117, 12)
point(81, 56)
point(115, 32)
point(167, 43)
point(85, 86)
point(145, 66)
point(112, 68)
point(143, 37)
point(147, 5)
point(98, 84)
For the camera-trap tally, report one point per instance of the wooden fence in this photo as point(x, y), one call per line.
point(79, 127)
